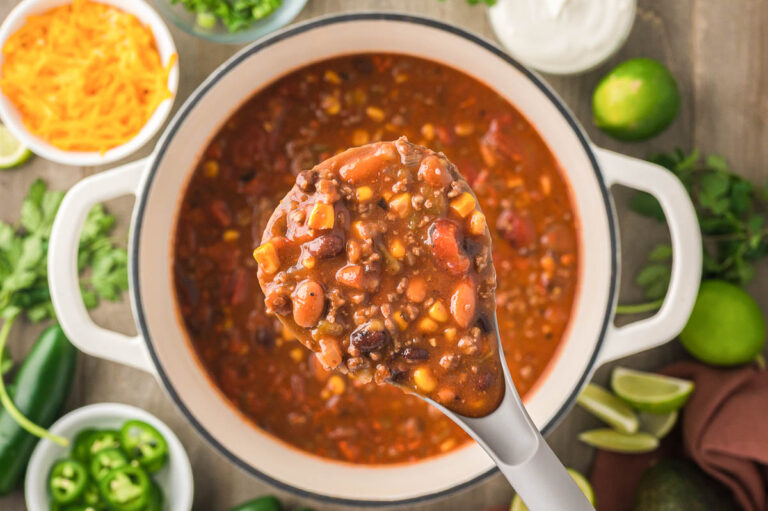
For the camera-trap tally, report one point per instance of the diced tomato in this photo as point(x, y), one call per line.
point(444, 237)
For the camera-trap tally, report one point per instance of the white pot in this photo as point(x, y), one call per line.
point(159, 183)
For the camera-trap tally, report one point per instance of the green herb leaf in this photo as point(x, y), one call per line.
point(646, 204)
point(731, 213)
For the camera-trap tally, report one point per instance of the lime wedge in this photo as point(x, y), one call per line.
point(649, 392)
point(657, 424)
point(581, 482)
point(616, 441)
point(608, 408)
point(12, 152)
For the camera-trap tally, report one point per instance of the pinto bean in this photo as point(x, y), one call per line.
point(308, 303)
point(434, 170)
point(325, 246)
point(463, 303)
point(416, 291)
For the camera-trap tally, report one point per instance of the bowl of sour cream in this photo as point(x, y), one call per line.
point(562, 36)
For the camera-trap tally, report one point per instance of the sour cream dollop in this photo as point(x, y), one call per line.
point(562, 36)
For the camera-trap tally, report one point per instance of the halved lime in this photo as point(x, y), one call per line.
point(611, 440)
point(650, 392)
point(581, 482)
point(657, 424)
point(12, 152)
point(608, 408)
point(726, 327)
point(639, 98)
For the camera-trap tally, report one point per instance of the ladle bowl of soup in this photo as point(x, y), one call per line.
point(296, 98)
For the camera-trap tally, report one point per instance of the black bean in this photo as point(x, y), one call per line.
point(382, 204)
point(325, 246)
point(484, 381)
point(414, 354)
point(368, 339)
point(363, 64)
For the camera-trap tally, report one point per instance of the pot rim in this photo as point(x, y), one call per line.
point(200, 93)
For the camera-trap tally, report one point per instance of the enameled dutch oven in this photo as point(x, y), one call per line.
point(159, 181)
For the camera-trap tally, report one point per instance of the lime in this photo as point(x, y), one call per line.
point(608, 408)
point(657, 424)
point(616, 441)
point(636, 100)
point(12, 152)
point(726, 326)
point(581, 482)
point(650, 392)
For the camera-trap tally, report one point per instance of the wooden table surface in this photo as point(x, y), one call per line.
point(717, 50)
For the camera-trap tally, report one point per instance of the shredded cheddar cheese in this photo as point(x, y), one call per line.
point(85, 76)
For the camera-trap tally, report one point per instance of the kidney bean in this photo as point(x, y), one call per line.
point(308, 303)
point(325, 246)
point(516, 229)
point(463, 303)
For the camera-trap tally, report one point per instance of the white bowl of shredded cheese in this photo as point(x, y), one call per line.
point(86, 100)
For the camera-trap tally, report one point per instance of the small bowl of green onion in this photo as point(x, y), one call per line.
point(230, 21)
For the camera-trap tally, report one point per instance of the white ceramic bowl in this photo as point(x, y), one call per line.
point(165, 46)
point(175, 478)
point(159, 183)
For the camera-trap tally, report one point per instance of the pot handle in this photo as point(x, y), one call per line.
point(686, 260)
point(63, 276)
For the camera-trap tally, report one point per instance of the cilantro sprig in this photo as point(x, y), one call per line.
point(24, 272)
point(731, 212)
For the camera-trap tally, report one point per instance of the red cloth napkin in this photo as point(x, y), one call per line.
point(724, 429)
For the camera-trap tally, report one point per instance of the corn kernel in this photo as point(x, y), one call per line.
point(336, 384)
point(463, 204)
point(450, 334)
point(375, 113)
point(438, 312)
point(477, 223)
point(464, 129)
point(266, 256)
point(427, 325)
point(364, 193)
point(287, 335)
point(399, 318)
point(360, 137)
point(358, 227)
point(321, 217)
point(230, 235)
point(424, 379)
point(397, 249)
point(428, 131)
point(401, 204)
point(297, 354)
point(546, 185)
point(331, 105)
point(401, 78)
point(309, 262)
point(211, 168)
point(447, 445)
point(332, 77)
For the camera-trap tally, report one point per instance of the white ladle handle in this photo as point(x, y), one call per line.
point(512, 440)
point(509, 436)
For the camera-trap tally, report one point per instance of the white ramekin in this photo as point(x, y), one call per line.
point(165, 46)
point(175, 479)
